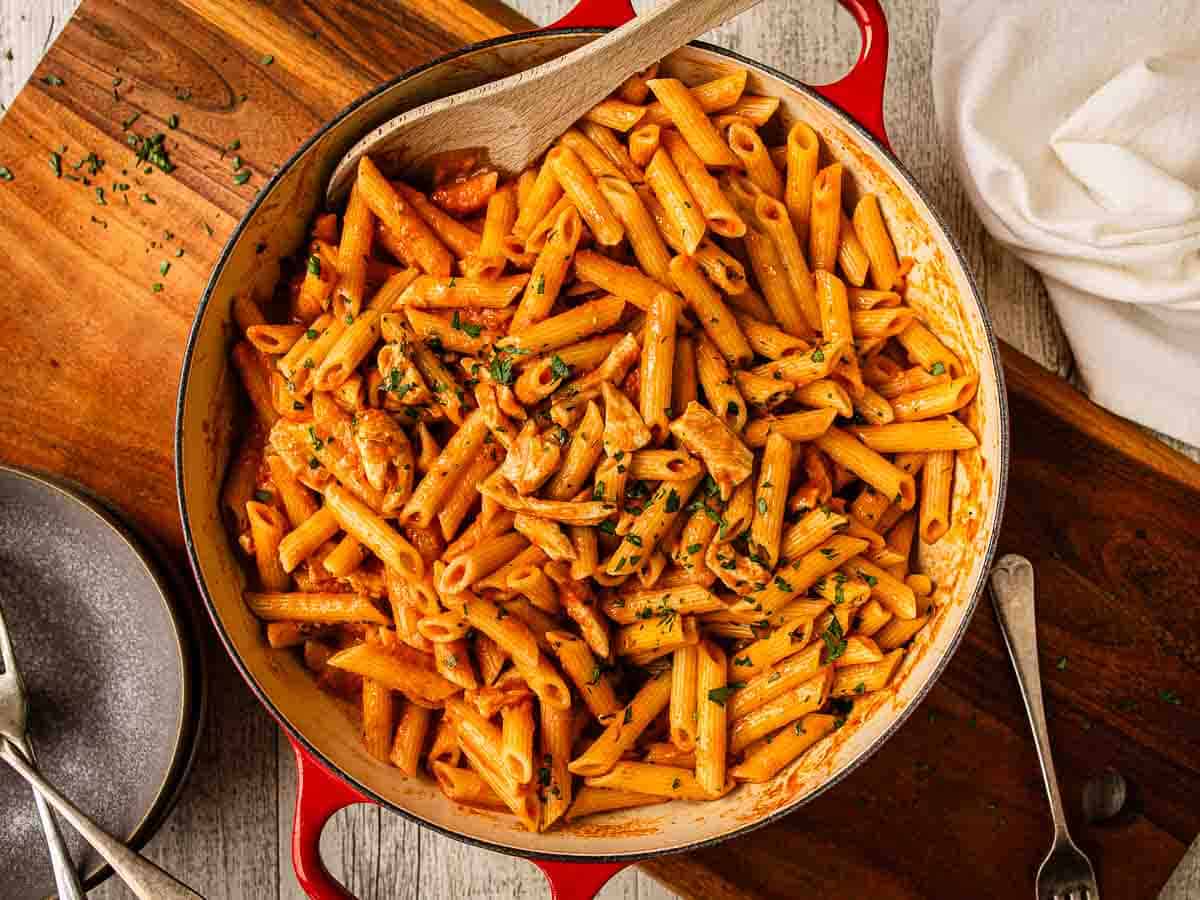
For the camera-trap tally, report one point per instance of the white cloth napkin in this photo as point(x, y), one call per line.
point(1075, 126)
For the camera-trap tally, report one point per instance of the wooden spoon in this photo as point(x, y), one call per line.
point(516, 118)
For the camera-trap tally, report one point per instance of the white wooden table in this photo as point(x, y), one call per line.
point(230, 835)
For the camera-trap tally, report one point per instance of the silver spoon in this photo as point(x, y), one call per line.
point(518, 117)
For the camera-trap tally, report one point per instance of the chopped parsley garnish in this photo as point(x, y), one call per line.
point(834, 639)
point(818, 355)
point(675, 784)
point(731, 408)
point(56, 163)
point(762, 506)
point(500, 368)
point(1061, 665)
point(314, 265)
point(938, 368)
point(693, 549)
point(172, 121)
point(164, 267)
point(241, 177)
point(5, 174)
point(608, 526)
point(628, 715)
point(558, 368)
point(840, 708)
point(721, 694)
point(151, 150)
point(860, 688)
point(598, 491)
point(828, 552)
point(1169, 696)
point(596, 673)
point(672, 501)
point(471, 330)
point(264, 496)
point(541, 284)
point(743, 661)
point(782, 585)
point(267, 60)
point(53, 81)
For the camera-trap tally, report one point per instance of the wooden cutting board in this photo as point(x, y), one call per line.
point(92, 330)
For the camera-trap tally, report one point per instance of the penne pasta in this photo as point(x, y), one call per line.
point(626, 429)
point(689, 117)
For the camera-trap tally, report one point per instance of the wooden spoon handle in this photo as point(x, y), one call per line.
point(599, 67)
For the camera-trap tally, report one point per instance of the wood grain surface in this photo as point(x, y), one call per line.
point(952, 804)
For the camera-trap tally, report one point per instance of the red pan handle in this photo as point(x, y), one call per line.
point(577, 881)
point(859, 93)
point(319, 794)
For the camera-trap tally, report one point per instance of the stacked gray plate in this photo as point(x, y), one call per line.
point(111, 670)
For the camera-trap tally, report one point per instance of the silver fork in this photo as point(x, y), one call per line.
point(12, 722)
point(146, 880)
point(1066, 872)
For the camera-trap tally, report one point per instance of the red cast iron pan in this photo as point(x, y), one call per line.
point(320, 793)
point(855, 105)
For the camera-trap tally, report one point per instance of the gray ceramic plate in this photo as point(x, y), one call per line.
point(110, 669)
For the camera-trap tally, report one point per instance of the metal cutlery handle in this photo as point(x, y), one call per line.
point(66, 877)
point(1013, 596)
point(145, 879)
